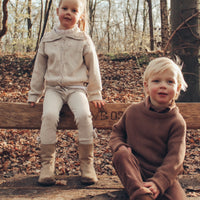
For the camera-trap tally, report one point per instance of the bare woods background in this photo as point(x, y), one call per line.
point(114, 25)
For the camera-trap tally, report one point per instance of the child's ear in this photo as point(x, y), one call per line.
point(57, 11)
point(178, 91)
point(82, 16)
point(179, 88)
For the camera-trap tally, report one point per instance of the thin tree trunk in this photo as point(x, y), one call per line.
point(129, 15)
point(40, 26)
point(5, 18)
point(15, 26)
point(136, 14)
point(151, 25)
point(47, 9)
point(144, 12)
point(125, 32)
point(29, 25)
point(1, 14)
point(108, 25)
point(164, 23)
point(92, 12)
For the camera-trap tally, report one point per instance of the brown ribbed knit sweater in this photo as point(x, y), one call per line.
point(156, 139)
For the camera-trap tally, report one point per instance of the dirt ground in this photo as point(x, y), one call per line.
point(69, 188)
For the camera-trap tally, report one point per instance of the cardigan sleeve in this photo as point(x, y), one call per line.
point(37, 80)
point(94, 87)
point(173, 161)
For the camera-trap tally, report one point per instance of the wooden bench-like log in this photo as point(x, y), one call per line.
point(22, 116)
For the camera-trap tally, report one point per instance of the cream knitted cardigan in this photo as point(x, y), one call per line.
point(66, 58)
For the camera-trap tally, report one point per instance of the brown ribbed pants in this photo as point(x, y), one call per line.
point(129, 172)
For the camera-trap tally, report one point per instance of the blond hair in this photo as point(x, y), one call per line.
point(161, 64)
point(82, 23)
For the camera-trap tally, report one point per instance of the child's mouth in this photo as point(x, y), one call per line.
point(162, 94)
point(67, 18)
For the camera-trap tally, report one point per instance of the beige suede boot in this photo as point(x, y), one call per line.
point(86, 156)
point(48, 152)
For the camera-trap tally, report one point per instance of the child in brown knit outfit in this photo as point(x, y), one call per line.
point(148, 142)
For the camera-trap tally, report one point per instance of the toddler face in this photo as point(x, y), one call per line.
point(162, 88)
point(69, 13)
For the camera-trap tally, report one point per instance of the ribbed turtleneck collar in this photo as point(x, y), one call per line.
point(150, 106)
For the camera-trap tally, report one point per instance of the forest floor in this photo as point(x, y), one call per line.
point(122, 82)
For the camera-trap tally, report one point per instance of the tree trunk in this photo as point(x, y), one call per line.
point(129, 16)
point(144, 19)
point(1, 12)
point(151, 25)
point(40, 26)
point(29, 25)
point(92, 11)
point(47, 9)
point(164, 23)
point(125, 32)
point(136, 14)
point(185, 43)
point(5, 18)
point(16, 25)
point(108, 25)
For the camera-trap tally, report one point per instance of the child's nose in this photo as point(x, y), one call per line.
point(68, 12)
point(163, 84)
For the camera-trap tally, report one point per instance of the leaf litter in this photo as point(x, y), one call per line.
point(122, 83)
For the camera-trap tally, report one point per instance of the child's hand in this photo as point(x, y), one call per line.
point(98, 103)
point(32, 104)
point(125, 148)
point(153, 188)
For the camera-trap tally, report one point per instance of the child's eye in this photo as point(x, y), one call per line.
point(155, 81)
point(170, 82)
point(74, 11)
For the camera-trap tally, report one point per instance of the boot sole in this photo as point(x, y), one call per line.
point(47, 182)
point(88, 181)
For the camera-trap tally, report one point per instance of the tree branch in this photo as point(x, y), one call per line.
point(178, 28)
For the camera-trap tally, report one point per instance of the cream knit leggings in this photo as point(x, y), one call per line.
point(77, 101)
